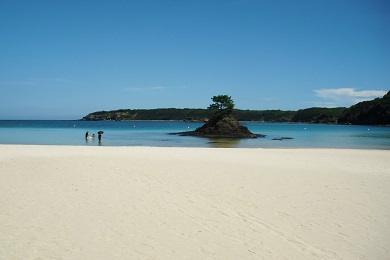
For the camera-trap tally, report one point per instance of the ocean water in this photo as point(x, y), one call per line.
point(157, 133)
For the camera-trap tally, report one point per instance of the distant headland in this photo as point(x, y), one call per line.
point(374, 112)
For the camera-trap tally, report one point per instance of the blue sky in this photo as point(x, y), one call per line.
point(62, 59)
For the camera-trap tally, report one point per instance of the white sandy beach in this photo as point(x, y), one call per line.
point(69, 202)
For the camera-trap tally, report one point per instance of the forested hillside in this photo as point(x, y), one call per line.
point(311, 115)
point(374, 112)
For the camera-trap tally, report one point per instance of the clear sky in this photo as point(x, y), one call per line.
point(62, 59)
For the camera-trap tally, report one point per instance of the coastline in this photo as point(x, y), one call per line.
point(91, 202)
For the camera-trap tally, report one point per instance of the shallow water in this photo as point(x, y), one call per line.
point(157, 133)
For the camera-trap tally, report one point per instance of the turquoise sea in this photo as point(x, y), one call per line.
point(157, 133)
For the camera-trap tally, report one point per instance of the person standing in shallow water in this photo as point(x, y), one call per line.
point(86, 134)
point(100, 137)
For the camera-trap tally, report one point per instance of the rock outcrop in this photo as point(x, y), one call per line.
point(225, 127)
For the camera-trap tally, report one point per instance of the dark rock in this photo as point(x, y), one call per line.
point(225, 127)
point(282, 138)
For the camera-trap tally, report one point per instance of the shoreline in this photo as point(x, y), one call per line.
point(115, 202)
point(202, 147)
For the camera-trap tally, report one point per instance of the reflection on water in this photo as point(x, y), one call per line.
point(224, 142)
point(90, 140)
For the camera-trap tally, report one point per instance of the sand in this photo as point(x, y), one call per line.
point(69, 202)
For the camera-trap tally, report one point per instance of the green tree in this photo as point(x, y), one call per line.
point(223, 105)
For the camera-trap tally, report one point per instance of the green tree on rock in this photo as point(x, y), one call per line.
point(223, 105)
point(224, 123)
